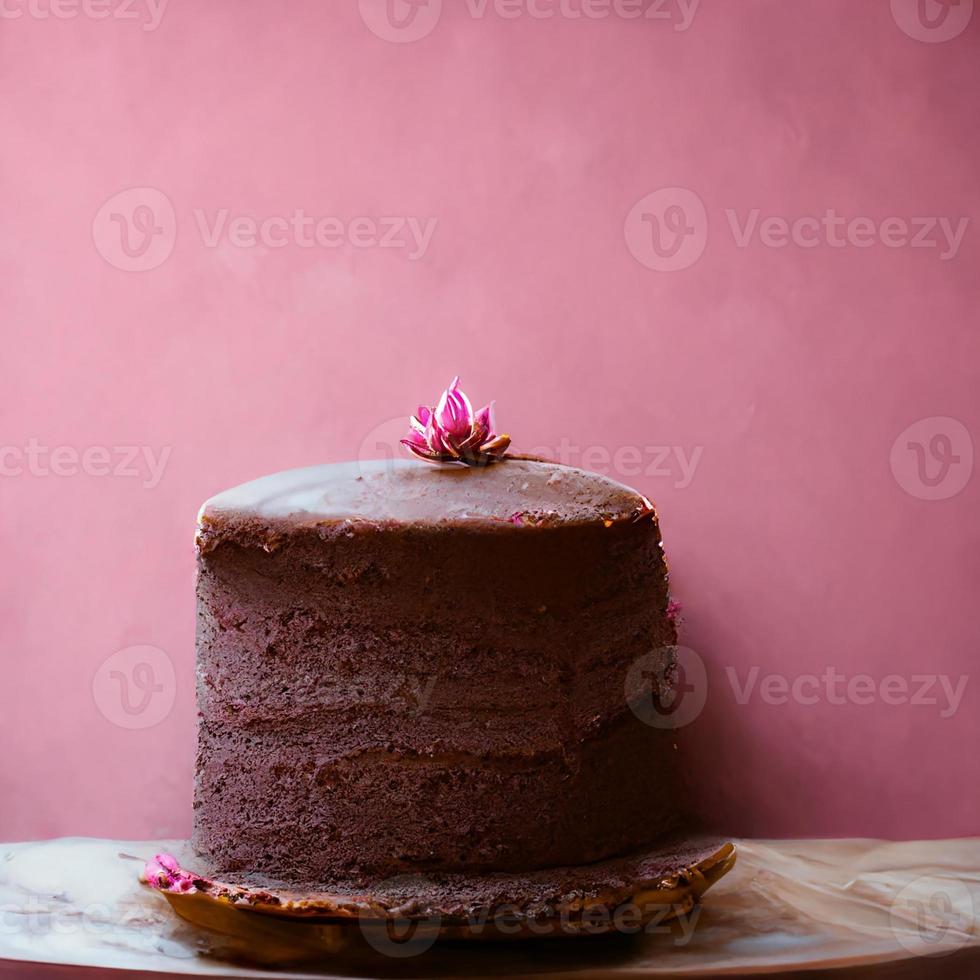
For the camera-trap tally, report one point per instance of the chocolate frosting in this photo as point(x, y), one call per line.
point(395, 674)
point(413, 492)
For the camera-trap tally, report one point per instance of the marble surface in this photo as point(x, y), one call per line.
point(904, 909)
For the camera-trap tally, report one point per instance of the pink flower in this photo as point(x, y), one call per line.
point(674, 609)
point(452, 433)
point(165, 873)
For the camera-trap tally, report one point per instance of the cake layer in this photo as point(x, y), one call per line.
point(394, 672)
point(278, 803)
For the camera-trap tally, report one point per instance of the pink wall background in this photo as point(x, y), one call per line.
point(801, 535)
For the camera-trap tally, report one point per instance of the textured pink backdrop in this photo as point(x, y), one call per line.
point(778, 378)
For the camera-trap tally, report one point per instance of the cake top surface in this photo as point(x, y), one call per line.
point(515, 491)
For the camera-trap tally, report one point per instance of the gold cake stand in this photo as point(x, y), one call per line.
point(405, 915)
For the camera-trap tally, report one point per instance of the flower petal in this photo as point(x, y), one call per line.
point(497, 446)
point(423, 452)
point(462, 409)
point(168, 861)
point(434, 435)
point(416, 441)
point(484, 418)
point(443, 415)
point(452, 431)
point(454, 414)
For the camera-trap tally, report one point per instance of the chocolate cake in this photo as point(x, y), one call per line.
point(406, 667)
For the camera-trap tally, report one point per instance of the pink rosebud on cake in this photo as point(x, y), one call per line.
point(453, 433)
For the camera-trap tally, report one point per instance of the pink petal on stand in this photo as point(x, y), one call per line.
point(153, 871)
